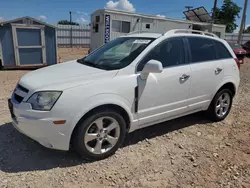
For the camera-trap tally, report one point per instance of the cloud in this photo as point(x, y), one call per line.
point(82, 20)
point(161, 16)
point(82, 17)
point(1, 19)
point(120, 5)
point(42, 17)
point(82, 13)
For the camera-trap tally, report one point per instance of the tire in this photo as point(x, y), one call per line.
point(90, 150)
point(214, 110)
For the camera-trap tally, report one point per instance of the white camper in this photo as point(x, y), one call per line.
point(108, 24)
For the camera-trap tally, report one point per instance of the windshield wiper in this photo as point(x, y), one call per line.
point(88, 63)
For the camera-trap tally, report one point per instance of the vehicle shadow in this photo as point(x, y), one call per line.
point(19, 153)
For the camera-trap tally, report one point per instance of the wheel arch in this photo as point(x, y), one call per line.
point(115, 107)
point(228, 85)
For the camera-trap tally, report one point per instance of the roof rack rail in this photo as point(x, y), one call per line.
point(134, 32)
point(174, 31)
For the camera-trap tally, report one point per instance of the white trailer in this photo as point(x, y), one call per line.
point(108, 24)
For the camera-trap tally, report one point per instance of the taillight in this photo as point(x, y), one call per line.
point(237, 62)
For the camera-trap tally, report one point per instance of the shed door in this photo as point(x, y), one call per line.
point(30, 46)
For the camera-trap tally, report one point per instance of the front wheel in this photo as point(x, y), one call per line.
point(220, 105)
point(100, 135)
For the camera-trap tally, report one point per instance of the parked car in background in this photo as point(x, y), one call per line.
point(246, 47)
point(239, 51)
point(93, 102)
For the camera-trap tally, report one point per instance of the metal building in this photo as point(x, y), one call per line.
point(27, 42)
point(108, 24)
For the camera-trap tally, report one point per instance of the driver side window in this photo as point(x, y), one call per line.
point(169, 53)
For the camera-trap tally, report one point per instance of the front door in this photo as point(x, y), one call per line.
point(164, 95)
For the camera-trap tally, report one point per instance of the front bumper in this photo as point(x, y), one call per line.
point(39, 126)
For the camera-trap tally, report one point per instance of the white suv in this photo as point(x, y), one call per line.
point(131, 82)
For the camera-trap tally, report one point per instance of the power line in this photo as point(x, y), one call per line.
point(171, 11)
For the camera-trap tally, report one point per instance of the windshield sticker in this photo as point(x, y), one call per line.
point(140, 41)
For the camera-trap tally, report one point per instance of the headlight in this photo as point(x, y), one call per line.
point(44, 100)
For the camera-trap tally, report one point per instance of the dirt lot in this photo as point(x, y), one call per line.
point(187, 152)
point(66, 54)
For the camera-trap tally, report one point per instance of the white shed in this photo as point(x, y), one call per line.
point(108, 24)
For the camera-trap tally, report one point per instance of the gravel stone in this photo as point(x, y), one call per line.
point(150, 158)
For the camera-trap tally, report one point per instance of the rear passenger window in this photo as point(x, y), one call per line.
point(202, 49)
point(223, 52)
point(169, 53)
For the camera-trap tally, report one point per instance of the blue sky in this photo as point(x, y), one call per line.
point(52, 11)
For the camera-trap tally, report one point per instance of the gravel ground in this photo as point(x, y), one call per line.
point(186, 152)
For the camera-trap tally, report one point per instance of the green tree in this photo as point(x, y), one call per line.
point(66, 22)
point(227, 15)
point(247, 30)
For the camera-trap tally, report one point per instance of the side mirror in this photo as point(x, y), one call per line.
point(152, 66)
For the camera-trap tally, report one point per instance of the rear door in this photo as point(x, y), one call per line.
point(206, 72)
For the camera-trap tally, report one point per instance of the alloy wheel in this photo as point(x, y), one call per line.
point(102, 135)
point(222, 105)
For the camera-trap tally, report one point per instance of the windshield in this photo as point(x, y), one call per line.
point(116, 54)
point(235, 45)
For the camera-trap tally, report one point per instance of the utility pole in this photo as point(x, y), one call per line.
point(242, 21)
point(70, 16)
point(71, 30)
point(214, 8)
point(210, 27)
point(188, 7)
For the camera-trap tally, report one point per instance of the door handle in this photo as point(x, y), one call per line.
point(218, 70)
point(184, 77)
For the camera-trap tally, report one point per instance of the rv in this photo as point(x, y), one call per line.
point(108, 24)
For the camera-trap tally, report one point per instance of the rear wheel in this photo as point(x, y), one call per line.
point(100, 135)
point(220, 105)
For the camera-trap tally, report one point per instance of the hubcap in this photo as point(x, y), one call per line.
point(102, 135)
point(222, 105)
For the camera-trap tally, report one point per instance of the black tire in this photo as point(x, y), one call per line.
point(211, 112)
point(78, 139)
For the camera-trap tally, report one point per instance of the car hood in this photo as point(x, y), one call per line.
point(63, 76)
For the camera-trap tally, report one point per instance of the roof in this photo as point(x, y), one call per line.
point(27, 17)
point(153, 17)
point(139, 15)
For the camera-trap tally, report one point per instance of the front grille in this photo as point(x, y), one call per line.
point(22, 88)
point(18, 98)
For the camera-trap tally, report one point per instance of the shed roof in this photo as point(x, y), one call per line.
point(27, 17)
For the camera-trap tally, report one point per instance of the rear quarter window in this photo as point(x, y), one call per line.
point(202, 49)
point(222, 50)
